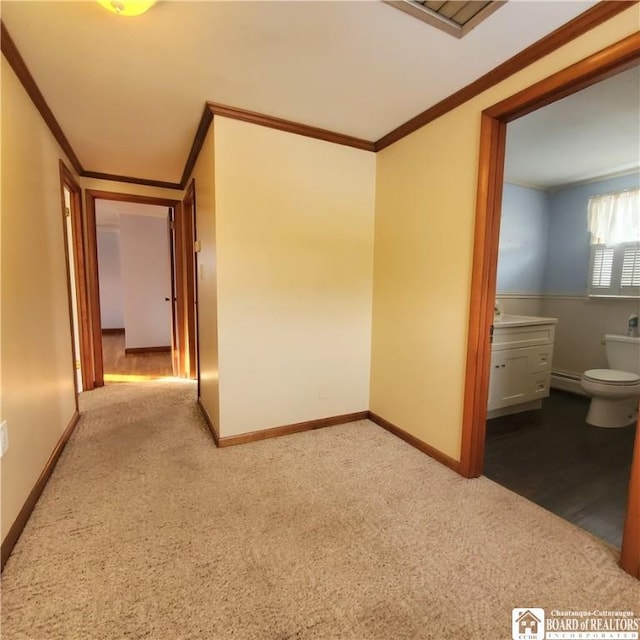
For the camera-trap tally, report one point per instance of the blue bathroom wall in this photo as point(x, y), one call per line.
point(567, 260)
point(524, 230)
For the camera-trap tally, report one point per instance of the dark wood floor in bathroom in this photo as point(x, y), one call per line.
point(553, 458)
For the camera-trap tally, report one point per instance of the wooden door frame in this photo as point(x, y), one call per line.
point(173, 251)
point(599, 66)
point(91, 195)
point(192, 364)
point(630, 552)
point(82, 302)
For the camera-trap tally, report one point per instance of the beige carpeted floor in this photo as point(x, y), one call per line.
point(146, 530)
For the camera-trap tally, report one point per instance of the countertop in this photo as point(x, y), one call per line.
point(508, 320)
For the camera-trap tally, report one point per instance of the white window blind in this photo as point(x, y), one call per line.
point(614, 224)
point(630, 268)
point(602, 268)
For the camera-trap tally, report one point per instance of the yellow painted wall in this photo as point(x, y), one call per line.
point(207, 278)
point(425, 215)
point(38, 396)
point(294, 220)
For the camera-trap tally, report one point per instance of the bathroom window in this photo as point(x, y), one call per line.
point(615, 271)
point(614, 224)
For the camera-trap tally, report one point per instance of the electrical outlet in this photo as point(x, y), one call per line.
point(4, 438)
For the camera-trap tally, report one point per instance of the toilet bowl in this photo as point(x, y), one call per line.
point(615, 396)
point(615, 392)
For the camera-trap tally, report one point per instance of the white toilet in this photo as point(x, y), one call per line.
point(615, 392)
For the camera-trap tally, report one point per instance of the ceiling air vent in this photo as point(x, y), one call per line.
point(456, 18)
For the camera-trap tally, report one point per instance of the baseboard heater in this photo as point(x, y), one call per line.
point(566, 381)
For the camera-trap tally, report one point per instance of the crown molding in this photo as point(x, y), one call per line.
point(17, 63)
point(594, 179)
point(596, 15)
point(289, 126)
point(586, 21)
point(196, 146)
point(631, 171)
point(212, 109)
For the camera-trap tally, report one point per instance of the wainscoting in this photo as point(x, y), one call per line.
point(582, 324)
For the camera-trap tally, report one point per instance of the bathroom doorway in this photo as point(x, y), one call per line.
point(537, 441)
point(605, 64)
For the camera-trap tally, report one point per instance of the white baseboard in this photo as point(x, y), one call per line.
point(565, 381)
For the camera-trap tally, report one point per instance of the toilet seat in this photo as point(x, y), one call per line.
point(612, 377)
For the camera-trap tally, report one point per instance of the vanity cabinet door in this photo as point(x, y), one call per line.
point(520, 366)
point(510, 378)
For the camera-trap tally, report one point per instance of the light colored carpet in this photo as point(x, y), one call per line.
point(146, 530)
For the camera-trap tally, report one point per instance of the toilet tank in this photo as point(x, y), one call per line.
point(623, 353)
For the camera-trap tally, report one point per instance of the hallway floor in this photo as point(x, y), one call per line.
point(147, 530)
point(132, 367)
point(553, 458)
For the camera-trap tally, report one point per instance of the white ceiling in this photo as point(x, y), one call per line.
point(108, 212)
point(129, 92)
point(592, 133)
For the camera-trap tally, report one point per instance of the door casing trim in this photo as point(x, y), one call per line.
point(91, 195)
point(599, 66)
point(68, 180)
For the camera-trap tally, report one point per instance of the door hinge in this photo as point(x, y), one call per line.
point(491, 334)
point(67, 212)
point(172, 224)
point(77, 364)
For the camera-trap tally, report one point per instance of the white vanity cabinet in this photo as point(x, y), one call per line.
point(521, 355)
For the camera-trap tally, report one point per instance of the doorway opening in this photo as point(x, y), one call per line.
point(550, 322)
point(607, 63)
point(136, 284)
point(190, 310)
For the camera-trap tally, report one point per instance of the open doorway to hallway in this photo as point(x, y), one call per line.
point(136, 292)
point(149, 239)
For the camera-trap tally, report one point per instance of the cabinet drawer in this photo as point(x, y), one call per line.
point(540, 358)
point(539, 385)
point(518, 337)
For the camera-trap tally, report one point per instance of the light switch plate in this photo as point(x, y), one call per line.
point(4, 438)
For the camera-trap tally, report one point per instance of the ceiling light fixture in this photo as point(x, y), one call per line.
point(127, 7)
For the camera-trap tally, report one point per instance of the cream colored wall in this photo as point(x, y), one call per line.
point(38, 396)
point(207, 278)
point(294, 219)
point(130, 188)
point(425, 214)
